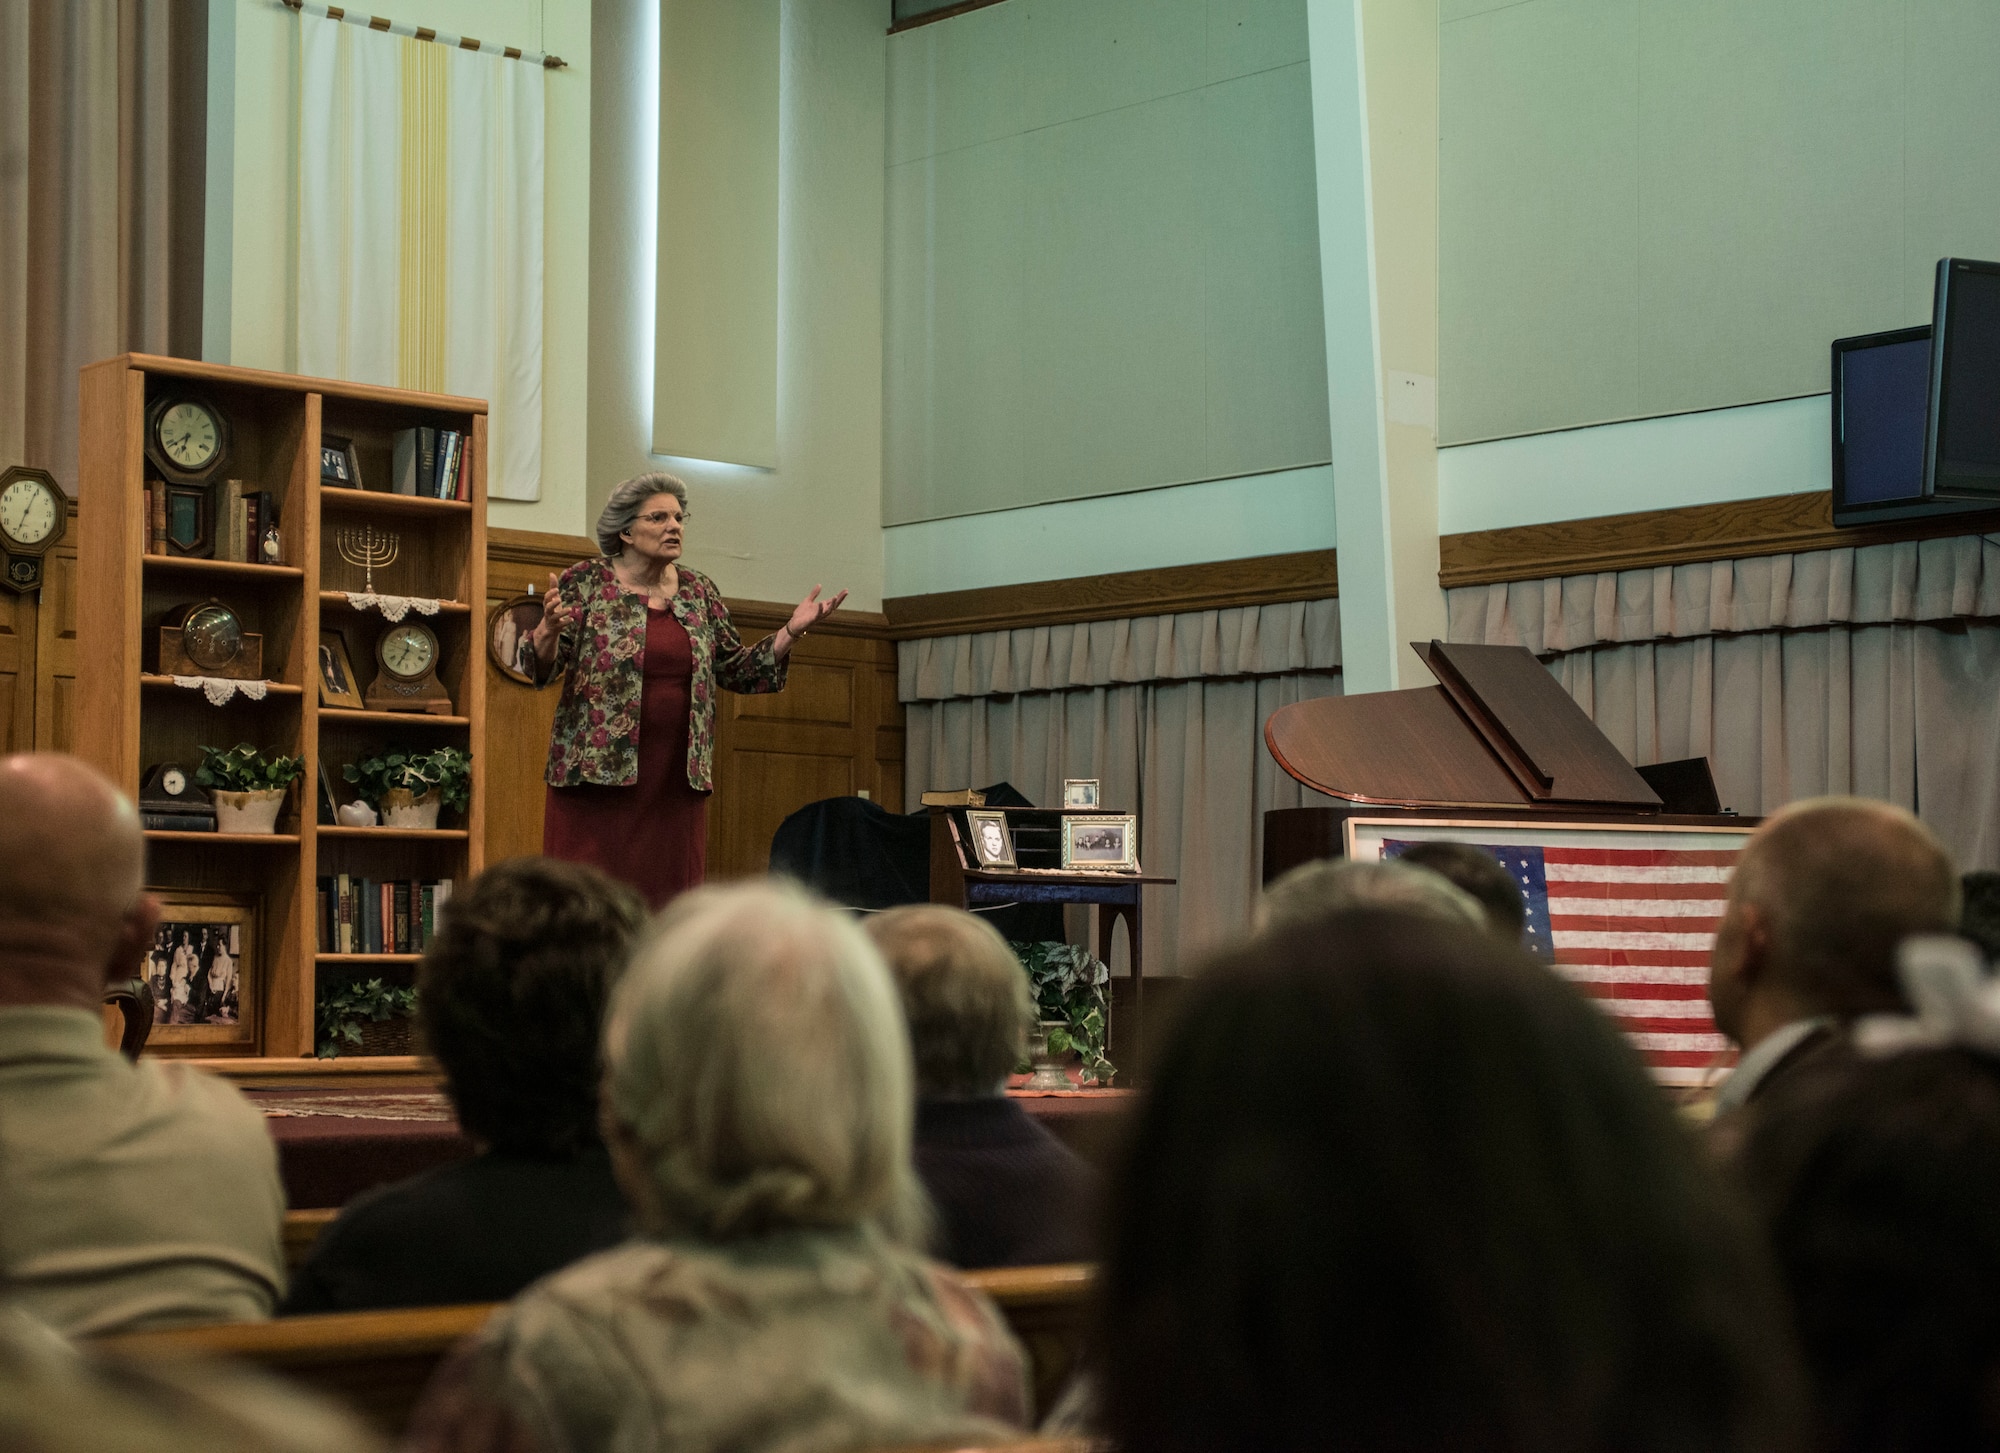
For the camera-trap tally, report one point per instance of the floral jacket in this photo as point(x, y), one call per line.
point(596, 735)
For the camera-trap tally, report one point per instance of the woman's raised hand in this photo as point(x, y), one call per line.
point(557, 613)
point(810, 612)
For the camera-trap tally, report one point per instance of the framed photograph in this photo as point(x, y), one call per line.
point(204, 967)
point(338, 685)
point(190, 511)
point(992, 843)
point(1079, 792)
point(329, 802)
point(339, 466)
point(1108, 844)
point(510, 630)
point(1625, 911)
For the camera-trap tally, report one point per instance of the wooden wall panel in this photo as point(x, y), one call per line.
point(55, 654)
point(18, 623)
point(836, 729)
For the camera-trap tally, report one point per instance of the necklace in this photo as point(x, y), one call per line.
point(657, 593)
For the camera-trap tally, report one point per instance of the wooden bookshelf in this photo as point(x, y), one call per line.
point(136, 717)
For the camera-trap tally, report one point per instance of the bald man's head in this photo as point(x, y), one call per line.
point(1822, 894)
point(72, 866)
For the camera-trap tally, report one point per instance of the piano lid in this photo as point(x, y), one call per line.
point(1498, 732)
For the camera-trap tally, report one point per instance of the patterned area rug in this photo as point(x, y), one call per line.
point(422, 1105)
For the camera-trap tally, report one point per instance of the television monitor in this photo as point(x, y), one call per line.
point(1962, 437)
point(1881, 399)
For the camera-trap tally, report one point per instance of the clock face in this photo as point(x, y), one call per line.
point(173, 782)
point(408, 652)
point(28, 512)
point(212, 636)
point(189, 435)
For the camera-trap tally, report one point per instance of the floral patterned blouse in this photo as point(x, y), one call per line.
point(596, 734)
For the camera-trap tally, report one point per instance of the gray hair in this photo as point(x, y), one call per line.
point(757, 1064)
point(964, 992)
point(1315, 889)
point(628, 499)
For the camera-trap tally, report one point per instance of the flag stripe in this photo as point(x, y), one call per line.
point(1642, 857)
point(1655, 1009)
point(1687, 942)
point(1693, 983)
point(1601, 873)
point(1624, 907)
point(1633, 958)
point(1602, 889)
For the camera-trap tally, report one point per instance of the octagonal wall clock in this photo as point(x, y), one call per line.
point(34, 514)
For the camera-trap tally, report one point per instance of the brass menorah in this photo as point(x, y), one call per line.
point(369, 548)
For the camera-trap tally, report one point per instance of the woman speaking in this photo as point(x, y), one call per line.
point(646, 641)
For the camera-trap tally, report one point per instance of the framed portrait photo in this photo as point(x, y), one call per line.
point(1106, 844)
point(339, 466)
point(992, 843)
point(204, 967)
point(1079, 792)
point(338, 686)
point(510, 644)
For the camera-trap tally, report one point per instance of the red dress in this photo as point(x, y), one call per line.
point(654, 833)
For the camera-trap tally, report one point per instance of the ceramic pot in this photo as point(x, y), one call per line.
point(402, 808)
point(248, 811)
point(1049, 1069)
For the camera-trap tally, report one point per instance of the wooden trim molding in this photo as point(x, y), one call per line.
point(535, 549)
point(964, 7)
point(1735, 529)
point(1262, 580)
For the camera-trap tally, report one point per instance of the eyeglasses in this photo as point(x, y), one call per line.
point(660, 517)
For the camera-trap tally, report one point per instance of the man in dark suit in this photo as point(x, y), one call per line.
point(1822, 894)
point(1007, 1192)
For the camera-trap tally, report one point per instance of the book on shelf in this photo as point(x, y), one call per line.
point(229, 527)
point(156, 517)
point(413, 461)
point(177, 821)
point(449, 442)
point(378, 916)
point(462, 490)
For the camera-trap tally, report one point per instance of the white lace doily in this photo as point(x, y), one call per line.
point(393, 607)
point(219, 689)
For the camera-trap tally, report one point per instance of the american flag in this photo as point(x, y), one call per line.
point(1632, 928)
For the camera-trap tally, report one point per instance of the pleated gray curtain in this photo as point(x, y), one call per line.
point(1873, 671)
point(1167, 712)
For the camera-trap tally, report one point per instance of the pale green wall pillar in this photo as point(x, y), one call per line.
point(1375, 162)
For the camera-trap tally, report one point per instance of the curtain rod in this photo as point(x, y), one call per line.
point(424, 32)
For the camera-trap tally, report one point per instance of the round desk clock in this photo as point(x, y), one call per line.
point(33, 516)
point(208, 639)
point(406, 660)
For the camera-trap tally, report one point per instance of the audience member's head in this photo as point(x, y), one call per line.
point(758, 1072)
point(1331, 885)
point(1822, 894)
point(1979, 918)
point(1880, 1184)
point(1396, 1186)
point(1479, 874)
point(72, 861)
point(513, 993)
point(964, 993)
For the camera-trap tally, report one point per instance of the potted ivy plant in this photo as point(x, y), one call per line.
point(249, 786)
point(367, 1016)
point(1072, 987)
point(408, 786)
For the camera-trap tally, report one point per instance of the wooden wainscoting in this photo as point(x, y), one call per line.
point(837, 729)
point(38, 656)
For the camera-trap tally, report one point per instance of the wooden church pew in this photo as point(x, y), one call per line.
point(376, 1363)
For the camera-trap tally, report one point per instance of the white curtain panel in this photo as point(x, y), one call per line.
point(1873, 671)
point(1167, 712)
point(420, 228)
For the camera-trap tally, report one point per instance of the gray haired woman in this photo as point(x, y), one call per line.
point(646, 642)
point(756, 1101)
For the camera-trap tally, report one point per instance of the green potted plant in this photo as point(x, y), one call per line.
point(1072, 988)
point(249, 786)
point(408, 786)
point(367, 1016)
